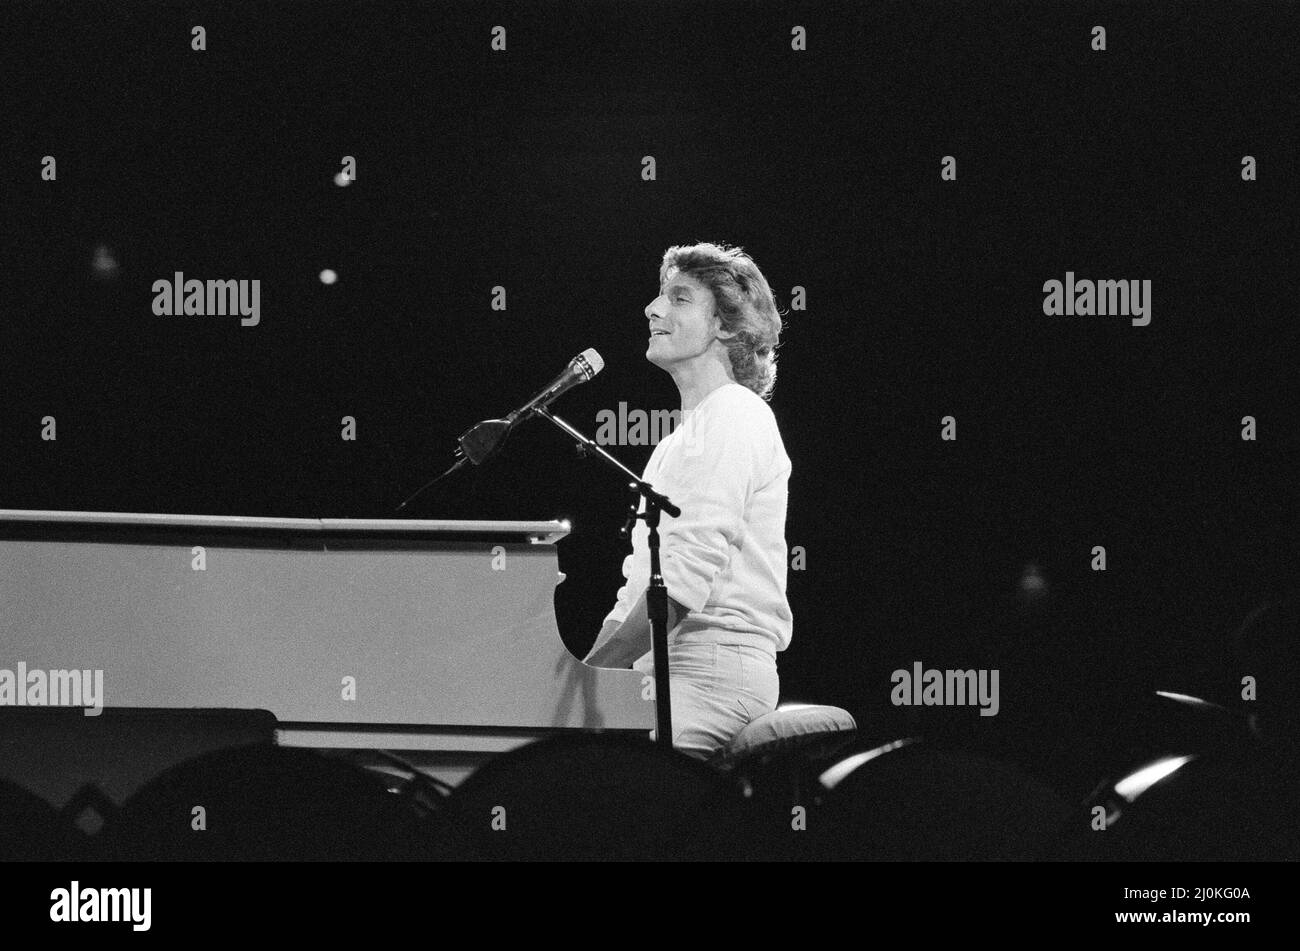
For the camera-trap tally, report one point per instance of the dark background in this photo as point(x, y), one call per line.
point(523, 168)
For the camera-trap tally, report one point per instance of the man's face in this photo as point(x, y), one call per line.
point(684, 312)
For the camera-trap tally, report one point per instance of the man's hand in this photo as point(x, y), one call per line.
point(619, 645)
point(612, 651)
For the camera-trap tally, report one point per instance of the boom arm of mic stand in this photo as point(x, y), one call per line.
point(657, 592)
point(587, 445)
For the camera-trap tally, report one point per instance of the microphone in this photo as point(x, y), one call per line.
point(580, 370)
point(481, 442)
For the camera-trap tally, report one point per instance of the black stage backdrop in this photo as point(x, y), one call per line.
point(814, 135)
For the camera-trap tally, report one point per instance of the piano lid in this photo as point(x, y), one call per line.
point(539, 532)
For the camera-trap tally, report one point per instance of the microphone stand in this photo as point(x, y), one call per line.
point(657, 592)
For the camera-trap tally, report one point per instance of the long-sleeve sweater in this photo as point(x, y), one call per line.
point(724, 559)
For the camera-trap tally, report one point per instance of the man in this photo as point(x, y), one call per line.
point(714, 329)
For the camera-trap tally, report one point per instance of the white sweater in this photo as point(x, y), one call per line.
point(724, 559)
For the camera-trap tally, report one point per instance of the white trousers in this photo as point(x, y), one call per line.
point(715, 689)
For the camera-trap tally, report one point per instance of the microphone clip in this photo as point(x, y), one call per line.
point(633, 514)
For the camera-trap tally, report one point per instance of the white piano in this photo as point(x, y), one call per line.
point(446, 628)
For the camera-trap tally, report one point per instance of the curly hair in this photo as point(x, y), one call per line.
point(745, 307)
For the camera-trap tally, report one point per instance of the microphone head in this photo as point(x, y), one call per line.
point(589, 363)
